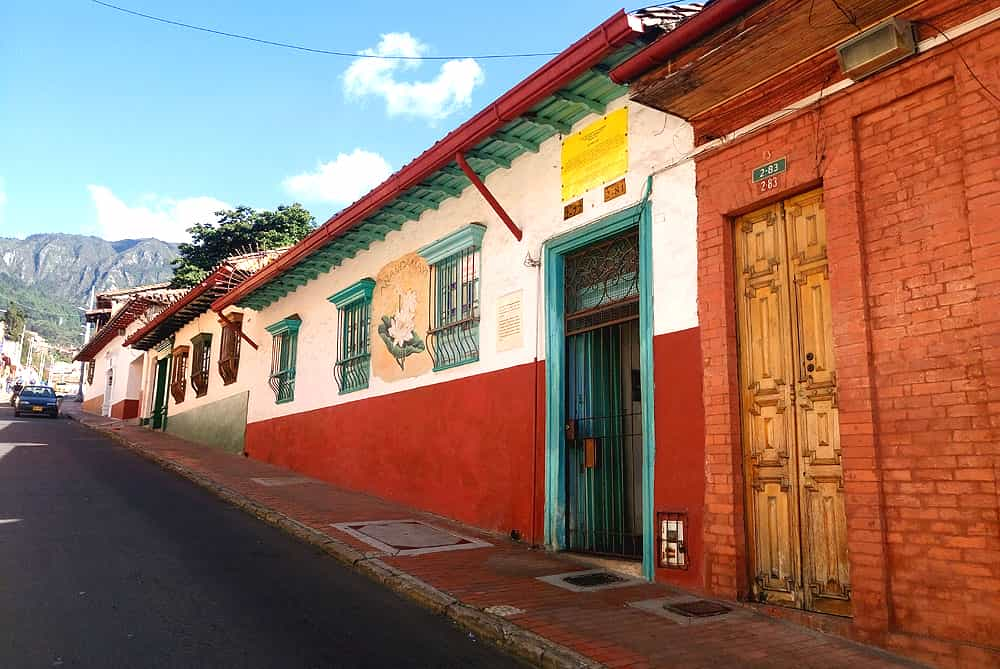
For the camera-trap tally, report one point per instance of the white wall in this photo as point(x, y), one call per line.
point(209, 322)
point(530, 192)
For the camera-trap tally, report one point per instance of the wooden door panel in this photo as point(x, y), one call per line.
point(826, 569)
point(826, 572)
point(774, 525)
point(791, 434)
point(769, 416)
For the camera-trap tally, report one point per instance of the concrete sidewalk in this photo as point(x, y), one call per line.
point(494, 590)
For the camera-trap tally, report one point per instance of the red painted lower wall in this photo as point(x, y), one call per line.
point(679, 477)
point(125, 410)
point(473, 449)
point(462, 448)
point(93, 405)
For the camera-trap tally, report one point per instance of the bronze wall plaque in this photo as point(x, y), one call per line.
point(573, 208)
point(613, 190)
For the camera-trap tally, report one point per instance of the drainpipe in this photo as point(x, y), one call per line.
point(659, 52)
point(481, 187)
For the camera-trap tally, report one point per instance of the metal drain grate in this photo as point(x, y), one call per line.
point(594, 580)
point(699, 608)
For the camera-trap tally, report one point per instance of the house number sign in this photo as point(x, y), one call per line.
point(766, 177)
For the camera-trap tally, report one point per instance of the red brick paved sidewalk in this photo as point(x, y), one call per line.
point(599, 625)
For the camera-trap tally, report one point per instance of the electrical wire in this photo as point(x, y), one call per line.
point(327, 52)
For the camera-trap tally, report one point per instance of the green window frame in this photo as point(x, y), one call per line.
point(354, 307)
point(284, 348)
point(455, 283)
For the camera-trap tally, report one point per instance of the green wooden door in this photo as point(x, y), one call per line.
point(159, 417)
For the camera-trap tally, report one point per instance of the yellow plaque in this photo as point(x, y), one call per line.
point(595, 155)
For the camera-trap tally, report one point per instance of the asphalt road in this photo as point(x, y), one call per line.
point(108, 561)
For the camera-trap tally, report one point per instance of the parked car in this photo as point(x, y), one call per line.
point(39, 400)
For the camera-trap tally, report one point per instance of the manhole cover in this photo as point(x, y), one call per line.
point(407, 537)
point(589, 580)
point(594, 580)
point(699, 608)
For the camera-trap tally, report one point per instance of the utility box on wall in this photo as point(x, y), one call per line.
point(672, 539)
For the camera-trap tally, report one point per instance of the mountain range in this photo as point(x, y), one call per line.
point(50, 275)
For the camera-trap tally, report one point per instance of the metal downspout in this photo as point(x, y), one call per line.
point(481, 187)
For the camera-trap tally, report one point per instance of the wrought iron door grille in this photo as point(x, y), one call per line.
point(604, 441)
point(354, 363)
point(602, 283)
point(453, 335)
point(604, 515)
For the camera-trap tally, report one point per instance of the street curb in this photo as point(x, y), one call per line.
point(504, 634)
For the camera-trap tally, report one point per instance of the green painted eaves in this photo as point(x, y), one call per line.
point(589, 93)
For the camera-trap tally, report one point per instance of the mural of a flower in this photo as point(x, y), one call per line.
point(398, 331)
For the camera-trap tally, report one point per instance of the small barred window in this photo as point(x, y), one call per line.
point(178, 377)
point(229, 349)
point(201, 354)
point(284, 345)
point(353, 336)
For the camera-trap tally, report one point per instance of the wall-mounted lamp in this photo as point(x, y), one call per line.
point(877, 48)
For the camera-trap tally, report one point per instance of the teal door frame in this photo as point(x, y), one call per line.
point(555, 251)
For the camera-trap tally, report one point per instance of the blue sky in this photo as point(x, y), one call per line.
point(122, 127)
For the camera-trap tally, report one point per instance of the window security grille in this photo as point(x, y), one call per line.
point(453, 336)
point(91, 365)
point(178, 378)
point(229, 349)
point(354, 352)
point(284, 343)
point(201, 363)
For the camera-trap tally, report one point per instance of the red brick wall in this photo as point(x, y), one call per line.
point(910, 165)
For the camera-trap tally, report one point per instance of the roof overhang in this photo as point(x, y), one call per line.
point(569, 87)
point(689, 73)
point(133, 309)
point(192, 304)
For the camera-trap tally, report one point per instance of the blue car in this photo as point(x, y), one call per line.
point(37, 400)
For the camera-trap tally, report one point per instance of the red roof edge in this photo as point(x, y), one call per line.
point(109, 331)
point(568, 65)
point(189, 297)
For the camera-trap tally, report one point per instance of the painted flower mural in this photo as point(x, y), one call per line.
point(398, 331)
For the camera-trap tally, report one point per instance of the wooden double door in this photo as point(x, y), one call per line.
point(796, 523)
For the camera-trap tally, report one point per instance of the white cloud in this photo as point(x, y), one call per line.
point(342, 180)
point(164, 218)
point(433, 100)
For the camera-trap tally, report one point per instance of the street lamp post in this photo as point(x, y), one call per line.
point(86, 338)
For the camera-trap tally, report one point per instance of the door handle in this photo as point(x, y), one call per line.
point(571, 429)
point(810, 357)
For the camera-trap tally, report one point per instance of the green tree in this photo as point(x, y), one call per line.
point(238, 231)
point(14, 319)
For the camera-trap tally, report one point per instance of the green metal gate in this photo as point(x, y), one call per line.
point(604, 442)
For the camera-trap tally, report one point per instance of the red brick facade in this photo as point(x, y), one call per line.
point(909, 162)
